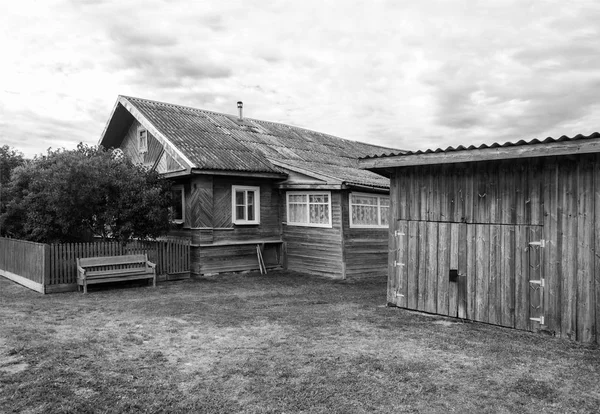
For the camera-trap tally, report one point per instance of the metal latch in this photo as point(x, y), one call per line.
point(396, 263)
point(540, 282)
point(399, 233)
point(541, 243)
point(540, 319)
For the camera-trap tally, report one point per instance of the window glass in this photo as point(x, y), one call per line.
point(309, 209)
point(143, 141)
point(368, 210)
point(177, 203)
point(246, 204)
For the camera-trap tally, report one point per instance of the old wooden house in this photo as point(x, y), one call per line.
point(240, 183)
point(504, 234)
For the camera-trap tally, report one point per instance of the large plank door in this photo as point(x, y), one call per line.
point(487, 273)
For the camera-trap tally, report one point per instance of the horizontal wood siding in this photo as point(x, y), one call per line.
point(365, 250)
point(558, 195)
point(316, 250)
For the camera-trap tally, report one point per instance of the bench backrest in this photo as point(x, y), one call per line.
point(130, 260)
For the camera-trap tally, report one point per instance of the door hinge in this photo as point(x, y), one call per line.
point(399, 233)
point(396, 263)
point(541, 243)
point(540, 320)
point(541, 282)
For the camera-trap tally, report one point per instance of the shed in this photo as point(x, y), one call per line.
point(506, 234)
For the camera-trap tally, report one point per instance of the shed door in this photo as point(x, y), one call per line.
point(482, 272)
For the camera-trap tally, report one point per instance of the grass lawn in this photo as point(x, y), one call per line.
point(282, 342)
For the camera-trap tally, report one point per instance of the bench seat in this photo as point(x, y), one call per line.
point(94, 270)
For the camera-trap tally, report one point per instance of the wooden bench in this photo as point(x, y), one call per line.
point(93, 270)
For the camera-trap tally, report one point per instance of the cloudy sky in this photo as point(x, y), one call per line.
point(406, 74)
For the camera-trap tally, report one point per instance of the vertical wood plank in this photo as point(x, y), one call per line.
point(482, 272)
point(401, 270)
point(495, 261)
point(551, 237)
point(468, 194)
point(585, 288)
point(454, 264)
point(413, 276)
point(463, 271)
point(596, 186)
point(471, 271)
point(507, 273)
point(443, 269)
point(569, 253)
point(422, 265)
point(521, 278)
point(431, 268)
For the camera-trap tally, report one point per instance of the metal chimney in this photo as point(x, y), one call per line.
point(240, 105)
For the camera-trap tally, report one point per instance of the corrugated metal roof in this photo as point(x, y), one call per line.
point(485, 146)
point(217, 141)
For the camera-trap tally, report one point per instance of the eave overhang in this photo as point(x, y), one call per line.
point(383, 164)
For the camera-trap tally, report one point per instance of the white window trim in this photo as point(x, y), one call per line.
point(368, 226)
point(308, 193)
point(256, 191)
point(180, 187)
point(142, 149)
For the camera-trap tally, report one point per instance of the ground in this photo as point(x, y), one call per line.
point(282, 342)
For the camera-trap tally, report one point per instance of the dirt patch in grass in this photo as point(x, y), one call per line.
point(282, 342)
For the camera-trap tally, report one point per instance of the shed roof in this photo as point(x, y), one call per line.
point(579, 144)
point(209, 140)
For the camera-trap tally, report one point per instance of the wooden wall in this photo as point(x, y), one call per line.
point(208, 220)
point(155, 157)
point(365, 249)
point(558, 195)
point(316, 250)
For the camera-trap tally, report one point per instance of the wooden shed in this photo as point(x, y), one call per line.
point(503, 234)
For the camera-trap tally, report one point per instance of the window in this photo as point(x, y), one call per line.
point(369, 210)
point(309, 208)
point(177, 204)
point(142, 141)
point(245, 204)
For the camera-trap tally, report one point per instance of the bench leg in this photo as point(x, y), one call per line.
point(85, 287)
point(154, 281)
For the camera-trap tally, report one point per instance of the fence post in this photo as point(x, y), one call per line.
point(46, 278)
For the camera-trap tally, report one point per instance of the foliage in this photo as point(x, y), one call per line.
point(9, 160)
point(64, 195)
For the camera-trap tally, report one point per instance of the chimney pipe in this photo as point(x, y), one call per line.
point(240, 105)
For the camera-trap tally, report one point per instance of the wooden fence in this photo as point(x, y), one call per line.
point(50, 268)
point(24, 262)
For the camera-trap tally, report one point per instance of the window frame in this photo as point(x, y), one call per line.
point(308, 194)
point(182, 188)
point(368, 226)
point(142, 149)
point(245, 189)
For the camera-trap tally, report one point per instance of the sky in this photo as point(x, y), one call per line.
point(401, 74)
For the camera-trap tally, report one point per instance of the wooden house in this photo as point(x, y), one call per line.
point(240, 183)
point(504, 234)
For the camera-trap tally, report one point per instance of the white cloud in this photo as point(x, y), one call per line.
point(398, 73)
